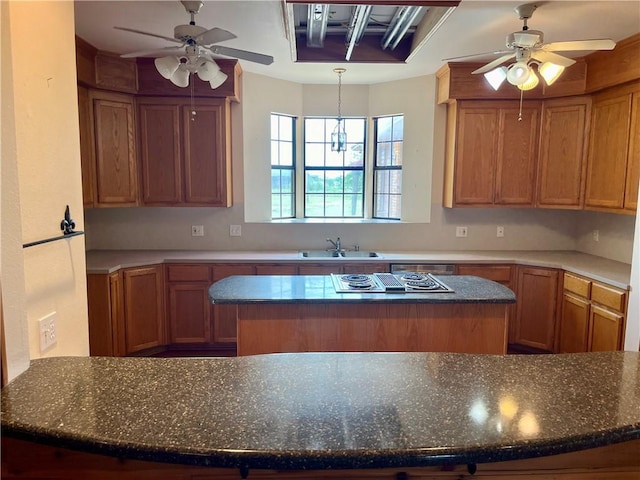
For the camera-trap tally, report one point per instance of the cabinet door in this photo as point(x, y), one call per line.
point(189, 313)
point(225, 317)
point(574, 325)
point(606, 330)
point(104, 299)
point(563, 147)
point(206, 154)
point(160, 153)
point(517, 154)
point(319, 269)
point(144, 325)
point(289, 269)
point(536, 307)
point(87, 147)
point(115, 152)
point(633, 160)
point(609, 139)
point(475, 153)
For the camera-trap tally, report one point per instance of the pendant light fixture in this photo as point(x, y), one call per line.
point(339, 135)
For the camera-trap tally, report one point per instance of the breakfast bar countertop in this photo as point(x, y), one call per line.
point(328, 410)
point(279, 289)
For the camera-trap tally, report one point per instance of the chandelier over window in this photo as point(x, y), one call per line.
point(339, 135)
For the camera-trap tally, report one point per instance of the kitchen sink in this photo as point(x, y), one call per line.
point(334, 254)
point(319, 254)
point(359, 254)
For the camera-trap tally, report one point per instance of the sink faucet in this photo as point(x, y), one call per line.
point(336, 245)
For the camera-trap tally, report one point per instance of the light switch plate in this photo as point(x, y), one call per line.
point(235, 230)
point(48, 333)
point(197, 230)
point(461, 231)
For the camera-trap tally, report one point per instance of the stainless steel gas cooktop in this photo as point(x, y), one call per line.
point(388, 283)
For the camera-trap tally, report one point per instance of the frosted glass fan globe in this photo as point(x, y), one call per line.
point(518, 73)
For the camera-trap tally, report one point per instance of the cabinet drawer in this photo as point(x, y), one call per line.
point(497, 273)
point(577, 285)
point(609, 297)
point(188, 273)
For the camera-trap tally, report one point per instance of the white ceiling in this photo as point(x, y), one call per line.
point(475, 26)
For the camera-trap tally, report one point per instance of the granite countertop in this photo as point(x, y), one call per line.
point(608, 271)
point(328, 410)
point(307, 289)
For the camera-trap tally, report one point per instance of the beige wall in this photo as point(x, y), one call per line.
point(41, 175)
point(170, 228)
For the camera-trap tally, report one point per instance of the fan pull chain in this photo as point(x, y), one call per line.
point(193, 106)
point(520, 112)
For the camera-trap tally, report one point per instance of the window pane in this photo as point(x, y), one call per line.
point(395, 181)
point(314, 154)
point(354, 156)
point(383, 154)
point(286, 181)
point(275, 181)
point(286, 153)
point(286, 129)
point(383, 127)
point(333, 182)
point(353, 205)
point(274, 126)
point(354, 182)
point(398, 127)
point(355, 130)
point(314, 130)
point(314, 182)
point(333, 205)
point(287, 206)
point(314, 205)
point(275, 206)
point(275, 158)
point(397, 153)
point(334, 159)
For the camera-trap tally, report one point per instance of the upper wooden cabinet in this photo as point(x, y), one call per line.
point(614, 150)
point(563, 149)
point(108, 153)
point(491, 153)
point(185, 157)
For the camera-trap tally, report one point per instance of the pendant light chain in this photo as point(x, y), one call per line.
point(340, 72)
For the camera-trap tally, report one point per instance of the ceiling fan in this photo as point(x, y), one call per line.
point(194, 54)
point(527, 47)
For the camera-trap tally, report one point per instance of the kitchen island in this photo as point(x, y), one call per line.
point(304, 313)
point(358, 415)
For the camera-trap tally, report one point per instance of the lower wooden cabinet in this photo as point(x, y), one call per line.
point(593, 316)
point(225, 316)
point(144, 319)
point(126, 311)
point(536, 307)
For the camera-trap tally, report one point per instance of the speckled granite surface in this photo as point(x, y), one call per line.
point(608, 271)
point(328, 410)
point(320, 289)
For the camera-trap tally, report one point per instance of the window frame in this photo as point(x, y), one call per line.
point(378, 168)
point(344, 168)
point(292, 168)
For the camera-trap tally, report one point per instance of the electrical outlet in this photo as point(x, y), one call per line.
point(197, 230)
point(596, 235)
point(235, 230)
point(500, 232)
point(461, 231)
point(48, 335)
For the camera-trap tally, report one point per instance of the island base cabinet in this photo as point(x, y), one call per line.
point(463, 328)
point(27, 460)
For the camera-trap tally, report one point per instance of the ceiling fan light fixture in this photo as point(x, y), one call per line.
point(550, 72)
point(531, 83)
point(219, 78)
point(181, 76)
point(496, 76)
point(167, 66)
point(207, 70)
point(518, 73)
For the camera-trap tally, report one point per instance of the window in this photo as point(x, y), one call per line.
point(283, 166)
point(333, 182)
point(387, 170)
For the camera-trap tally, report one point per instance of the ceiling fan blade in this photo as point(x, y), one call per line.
point(499, 52)
point(149, 34)
point(497, 62)
point(155, 53)
point(241, 54)
point(545, 56)
point(214, 35)
point(599, 44)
